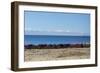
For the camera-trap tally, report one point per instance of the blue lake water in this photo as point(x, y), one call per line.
point(46, 39)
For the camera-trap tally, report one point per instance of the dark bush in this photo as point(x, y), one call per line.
point(55, 46)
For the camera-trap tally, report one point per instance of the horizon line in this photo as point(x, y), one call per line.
point(56, 35)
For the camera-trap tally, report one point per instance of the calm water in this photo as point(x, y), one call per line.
point(44, 39)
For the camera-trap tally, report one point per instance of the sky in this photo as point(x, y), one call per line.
point(56, 23)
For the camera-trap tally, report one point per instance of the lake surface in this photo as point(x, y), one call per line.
point(49, 39)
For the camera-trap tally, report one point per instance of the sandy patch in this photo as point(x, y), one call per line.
point(56, 54)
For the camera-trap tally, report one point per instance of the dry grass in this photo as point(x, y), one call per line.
point(56, 54)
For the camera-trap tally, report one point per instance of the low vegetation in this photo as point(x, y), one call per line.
point(56, 46)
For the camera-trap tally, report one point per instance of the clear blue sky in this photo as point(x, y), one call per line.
point(56, 23)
